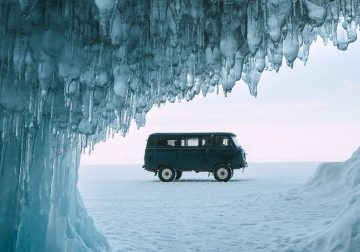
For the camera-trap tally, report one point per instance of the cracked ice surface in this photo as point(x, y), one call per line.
point(78, 71)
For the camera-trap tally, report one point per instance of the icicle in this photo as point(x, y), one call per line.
point(301, 3)
point(2, 157)
point(17, 126)
point(91, 101)
point(5, 128)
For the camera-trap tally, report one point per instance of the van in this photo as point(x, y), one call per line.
point(168, 155)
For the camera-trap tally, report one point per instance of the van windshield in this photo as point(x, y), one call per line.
point(235, 141)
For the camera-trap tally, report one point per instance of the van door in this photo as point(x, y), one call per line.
point(190, 154)
point(222, 150)
point(206, 152)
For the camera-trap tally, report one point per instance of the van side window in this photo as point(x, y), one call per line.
point(171, 142)
point(167, 142)
point(206, 141)
point(221, 141)
point(190, 142)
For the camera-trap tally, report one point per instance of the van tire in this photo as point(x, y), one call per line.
point(222, 173)
point(167, 174)
point(178, 174)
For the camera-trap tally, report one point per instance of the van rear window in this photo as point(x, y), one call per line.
point(167, 142)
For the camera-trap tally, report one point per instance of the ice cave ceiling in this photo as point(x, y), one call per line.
point(93, 66)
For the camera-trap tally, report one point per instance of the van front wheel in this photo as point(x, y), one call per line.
point(222, 173)
point(167, 174)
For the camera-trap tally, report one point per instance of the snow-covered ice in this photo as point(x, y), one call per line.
point(269, 207)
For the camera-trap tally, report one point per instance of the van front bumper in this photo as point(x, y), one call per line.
point(148, 169)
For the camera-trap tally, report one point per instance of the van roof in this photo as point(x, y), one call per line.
point(193, 134)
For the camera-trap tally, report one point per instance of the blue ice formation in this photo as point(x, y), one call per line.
point(73, 73)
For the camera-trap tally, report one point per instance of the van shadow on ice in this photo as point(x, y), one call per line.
point(168, 155)
point(193, 180)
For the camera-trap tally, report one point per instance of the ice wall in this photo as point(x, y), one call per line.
point(74, 72)
point(40, 206)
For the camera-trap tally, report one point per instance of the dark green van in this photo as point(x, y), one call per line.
point(170, 154)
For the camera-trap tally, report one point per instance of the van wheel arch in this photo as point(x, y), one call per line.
point(178, 174)
point(164, 165)
point(220, 164)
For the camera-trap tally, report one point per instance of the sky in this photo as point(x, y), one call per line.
point(308, 113)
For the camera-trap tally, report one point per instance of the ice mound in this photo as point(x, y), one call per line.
point(343, 174)
point(73, 73)
point(338, 180)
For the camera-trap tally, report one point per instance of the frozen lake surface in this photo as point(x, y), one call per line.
point(262, 209)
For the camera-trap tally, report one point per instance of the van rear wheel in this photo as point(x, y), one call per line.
point(167, 174)
point(223, 173)
point(178, 174)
